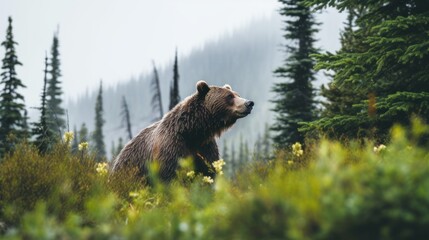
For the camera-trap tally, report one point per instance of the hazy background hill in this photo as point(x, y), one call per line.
point(244, 59)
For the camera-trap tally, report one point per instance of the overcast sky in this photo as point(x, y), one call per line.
point(113, 40)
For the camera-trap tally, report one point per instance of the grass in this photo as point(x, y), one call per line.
point(331, 191)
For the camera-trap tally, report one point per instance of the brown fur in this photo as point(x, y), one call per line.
point(188, 130)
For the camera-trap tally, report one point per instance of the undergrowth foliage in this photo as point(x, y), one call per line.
point(323, 190)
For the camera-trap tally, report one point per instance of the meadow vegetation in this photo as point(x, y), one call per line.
point(325, 190)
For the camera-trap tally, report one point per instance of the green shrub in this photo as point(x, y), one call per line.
point(328, 191)
point(62, 180)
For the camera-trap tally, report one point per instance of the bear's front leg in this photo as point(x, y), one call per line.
point(207, 154)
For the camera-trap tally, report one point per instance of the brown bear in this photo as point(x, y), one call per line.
point(188, 130)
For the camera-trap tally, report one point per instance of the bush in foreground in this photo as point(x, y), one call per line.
point(326, 191)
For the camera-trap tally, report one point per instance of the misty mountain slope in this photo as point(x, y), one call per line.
point(245, 59)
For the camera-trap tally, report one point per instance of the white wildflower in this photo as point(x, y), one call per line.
point(208, 179)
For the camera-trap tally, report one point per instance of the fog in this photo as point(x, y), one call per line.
point(114, 40)
point(236, 42)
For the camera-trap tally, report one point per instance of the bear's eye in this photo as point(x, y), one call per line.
point(230, 98)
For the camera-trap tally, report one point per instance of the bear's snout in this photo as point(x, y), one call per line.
point(249, 104)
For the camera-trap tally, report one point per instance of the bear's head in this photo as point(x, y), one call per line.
point(223, 103)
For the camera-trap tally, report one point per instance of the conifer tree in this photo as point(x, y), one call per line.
point(113, 150)
point(225, 154)
point(266, 144)
point(97, 136)
point(340, 100)
point(25, 126)
point(387, 64)
point(295, 102)
point(156, 102)
point(241, 152)
point(246, 153)
point(54, 92)
point(83, 133)
point(126, 117)
point(42, 133)
point(257, 152)
point(120, 146)
point(12, 108)
point(233, 159)
point(75, 143)
point(174, 88)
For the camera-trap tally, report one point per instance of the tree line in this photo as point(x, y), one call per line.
point(53, 120)
point(379, 76)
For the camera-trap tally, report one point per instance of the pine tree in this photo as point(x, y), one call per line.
point(257, 152)
point(42, 133)
point(25, 126)
point(156, 102)
point(55, 111)
point(174, 88)
point(113, 150)
point(126, 117)
point(75, 143)
point(225, 154)
point(83, 133)
point(12, 106)
point(120, 146)
point(246, 153)
point(295, 102)
point(241, 153)
point(340, 100)
point(233, 159)
point(227, 158)
point(387, 64)
point(97, 136)
point(266, 144)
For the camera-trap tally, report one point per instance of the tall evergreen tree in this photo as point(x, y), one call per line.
point(241, 153)
point(246, 153)
point(266, 144)
point(25, 126)
point(12, 106)
point(54, 92)
point(126, 117)
point(295, 102)
point(42, 133)
point(120, 146)
point(83, 133)
point(156, 102)
point(225, 154)
point(75, 142)
point(97, 136)
point(233, 159)
point(174, 88)
point(113, 150)
point(340, 100)
point(257, 152)
point(387, 64)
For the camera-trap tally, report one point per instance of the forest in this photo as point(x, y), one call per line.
point(346, 160)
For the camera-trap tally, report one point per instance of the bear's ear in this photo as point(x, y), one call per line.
point(227, 86)
point(202, 88)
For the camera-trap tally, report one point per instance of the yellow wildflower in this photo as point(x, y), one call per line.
point(218, 165)
point(297, 149)
point(208, 179)
point(289, 162)
point(190, 174)
point(83, 146)
point(68, 137)
point(101, 168)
